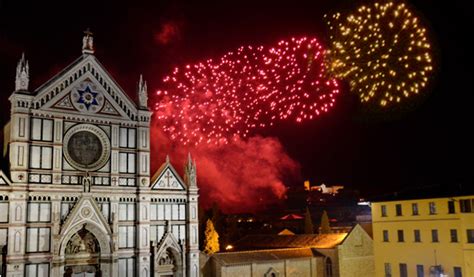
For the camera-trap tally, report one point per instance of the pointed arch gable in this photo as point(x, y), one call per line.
point(4, 180)
point(167, 178)
point(168, 241)
point(86, 213)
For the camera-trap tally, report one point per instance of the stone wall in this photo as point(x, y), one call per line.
point(356, 255)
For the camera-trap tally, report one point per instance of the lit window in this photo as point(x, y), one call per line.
point(127, 162)
point(466, 205)
point(384, 210)
point(328, 267)
point(126, 267)
point(41, 157)
point(126, 236)
point(403, 270)
point(451, 207)
point(414, 208)
point(39, 212)
point(388, 270)
point(398, 209)
point(417, 235)
point(470, 236)
point(434, 235)
point(432, 208)
point(37, 270)
point(37, 240)
point(457, 271)
point(400, 236)
point(4, 204)
point(126, 211)
point(41, 129)
point(127, 138)
point(420, 271)
point(454, 235)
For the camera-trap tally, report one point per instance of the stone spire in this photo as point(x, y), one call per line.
point(190, 172)
point(142, 93)
point(88, 42)
point(22, 78)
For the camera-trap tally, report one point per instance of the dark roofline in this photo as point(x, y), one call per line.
point(60, 73)
point(426, 192)
point(77, 61)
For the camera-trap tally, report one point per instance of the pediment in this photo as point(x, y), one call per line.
point(85, 88)
point(86, 211)
point(166, 178)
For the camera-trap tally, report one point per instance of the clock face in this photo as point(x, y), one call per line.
point(86, 147)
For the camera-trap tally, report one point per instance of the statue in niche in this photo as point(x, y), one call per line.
point(86, 182)
point(166, 258)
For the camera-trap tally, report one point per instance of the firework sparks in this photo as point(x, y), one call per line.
point(383, 52)
point(253, 87)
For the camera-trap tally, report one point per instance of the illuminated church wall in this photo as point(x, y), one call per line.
point(78, 195)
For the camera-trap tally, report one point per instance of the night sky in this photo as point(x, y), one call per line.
point(430, 142)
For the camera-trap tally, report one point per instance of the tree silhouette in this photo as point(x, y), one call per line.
point(211, 240)
point(325, 228)
point(308, 222)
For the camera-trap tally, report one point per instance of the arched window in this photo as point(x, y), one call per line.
point(328, 267)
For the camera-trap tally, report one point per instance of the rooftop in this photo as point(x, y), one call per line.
point(243, 257)
point(426, 192)
point(251, 242)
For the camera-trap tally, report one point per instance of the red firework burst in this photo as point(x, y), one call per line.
point(252, 87)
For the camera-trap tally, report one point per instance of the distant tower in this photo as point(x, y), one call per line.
point(22, 78)
point(142, 94)
point(88, 42)
point(307, 185)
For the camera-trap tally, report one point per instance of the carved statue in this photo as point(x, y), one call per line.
point(88, 42)
point(82, 242)
point(86, 182)
point(166, 258)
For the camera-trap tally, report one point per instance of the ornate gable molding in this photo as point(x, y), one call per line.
point(166, 178)
point(4, 181)
point(85, 211)
point(85, 77)
point(168, 242)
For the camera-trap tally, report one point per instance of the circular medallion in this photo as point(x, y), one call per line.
point(86, 147)
point(86, 212)
point(87, 98)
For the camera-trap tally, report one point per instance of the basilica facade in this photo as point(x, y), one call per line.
point(77, 197)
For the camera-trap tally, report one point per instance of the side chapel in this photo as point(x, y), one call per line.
point(77, 197)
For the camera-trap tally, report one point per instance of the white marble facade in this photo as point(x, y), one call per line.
point(77, 197)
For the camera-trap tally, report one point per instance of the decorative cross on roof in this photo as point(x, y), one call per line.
point(88, 32)
point(168, 176)
point(88, 42)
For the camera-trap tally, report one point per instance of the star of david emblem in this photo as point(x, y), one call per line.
point(87, 97)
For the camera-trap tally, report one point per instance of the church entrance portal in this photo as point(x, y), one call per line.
point(82, 255)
